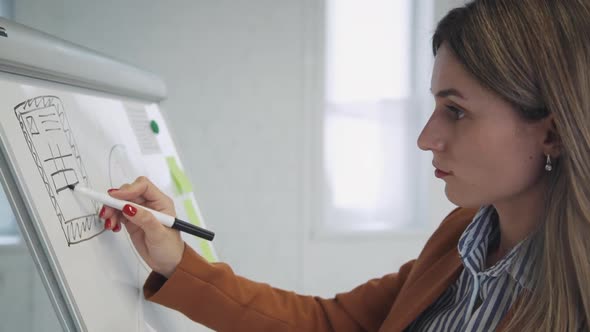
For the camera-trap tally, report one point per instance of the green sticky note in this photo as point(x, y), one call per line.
point(191, 213)
point(180, 179)
point(194, 219)
point(206, 251)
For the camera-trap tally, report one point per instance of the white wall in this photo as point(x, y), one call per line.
point(236, 73)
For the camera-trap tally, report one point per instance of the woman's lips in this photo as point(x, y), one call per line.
point(440, 174)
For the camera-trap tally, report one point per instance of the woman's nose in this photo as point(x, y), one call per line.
point(430, 138)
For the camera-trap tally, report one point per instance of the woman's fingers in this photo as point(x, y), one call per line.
point(154, 231)
point(106, 214)
point(142, 191)
point(130, 197)
point(111, 218)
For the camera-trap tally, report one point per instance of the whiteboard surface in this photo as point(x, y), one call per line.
point(54, 135)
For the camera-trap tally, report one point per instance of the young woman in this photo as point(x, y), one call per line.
point(510, 136)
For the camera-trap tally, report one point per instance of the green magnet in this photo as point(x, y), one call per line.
point(154, 126)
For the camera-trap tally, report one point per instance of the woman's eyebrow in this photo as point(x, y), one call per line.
point(449, 92)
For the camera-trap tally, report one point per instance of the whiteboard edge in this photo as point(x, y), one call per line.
point(34, 244)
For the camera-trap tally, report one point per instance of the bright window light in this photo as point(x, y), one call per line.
point(353, 147)
point(367, 50)
point(367, 132)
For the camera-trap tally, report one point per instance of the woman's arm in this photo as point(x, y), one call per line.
point(213, 295)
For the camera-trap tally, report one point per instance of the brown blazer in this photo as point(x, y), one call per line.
point(213, 295)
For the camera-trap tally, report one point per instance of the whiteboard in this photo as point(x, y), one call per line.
point(53, 134)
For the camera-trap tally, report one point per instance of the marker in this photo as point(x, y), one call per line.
point(163, 218)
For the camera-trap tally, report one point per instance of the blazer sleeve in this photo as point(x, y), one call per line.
point(211, 294)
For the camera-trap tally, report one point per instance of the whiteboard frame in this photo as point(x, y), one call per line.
point(28, 52)
point(35, 246)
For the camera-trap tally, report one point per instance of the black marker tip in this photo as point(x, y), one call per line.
point(71, 186)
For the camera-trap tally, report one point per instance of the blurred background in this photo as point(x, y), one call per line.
point(296, 121)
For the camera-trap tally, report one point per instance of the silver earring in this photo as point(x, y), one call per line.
point(548, 166)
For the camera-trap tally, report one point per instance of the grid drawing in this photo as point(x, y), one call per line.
point(51, 143)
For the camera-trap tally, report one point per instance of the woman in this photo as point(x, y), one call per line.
point(510, 136)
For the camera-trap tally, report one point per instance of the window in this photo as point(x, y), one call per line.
point(373, 83)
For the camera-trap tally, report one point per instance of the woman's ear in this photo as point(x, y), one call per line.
point(552, 141)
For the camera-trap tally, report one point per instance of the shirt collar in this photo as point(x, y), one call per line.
point(475, 241)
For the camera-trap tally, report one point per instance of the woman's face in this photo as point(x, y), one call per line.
point(486, 152)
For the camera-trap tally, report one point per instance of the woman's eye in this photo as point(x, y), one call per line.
point(457, 113)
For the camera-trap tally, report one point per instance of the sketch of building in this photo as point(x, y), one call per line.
point(52, 145)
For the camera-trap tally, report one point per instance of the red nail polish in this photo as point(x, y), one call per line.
point(111, 190)
point(117, 228)
point(101, 214)
point(129, 210)
point(107, 223)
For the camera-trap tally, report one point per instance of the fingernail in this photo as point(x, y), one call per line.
point(129, 210)
point(107, 223)
point(111, 190)
point(101, 213)
point(117, 228)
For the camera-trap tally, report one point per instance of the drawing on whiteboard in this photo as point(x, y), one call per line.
point(120, 167)
point(50, 140)
point(121, 172)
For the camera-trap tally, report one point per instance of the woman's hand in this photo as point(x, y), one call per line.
point(159, 246)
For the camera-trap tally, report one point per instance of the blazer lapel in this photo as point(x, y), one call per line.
point(427, 284)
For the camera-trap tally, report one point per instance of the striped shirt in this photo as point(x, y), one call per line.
point(480, 297)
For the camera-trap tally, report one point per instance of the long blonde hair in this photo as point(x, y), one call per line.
point(536, 55)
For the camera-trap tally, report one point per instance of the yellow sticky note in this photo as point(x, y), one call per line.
point(194, 219)
point(180, 179)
